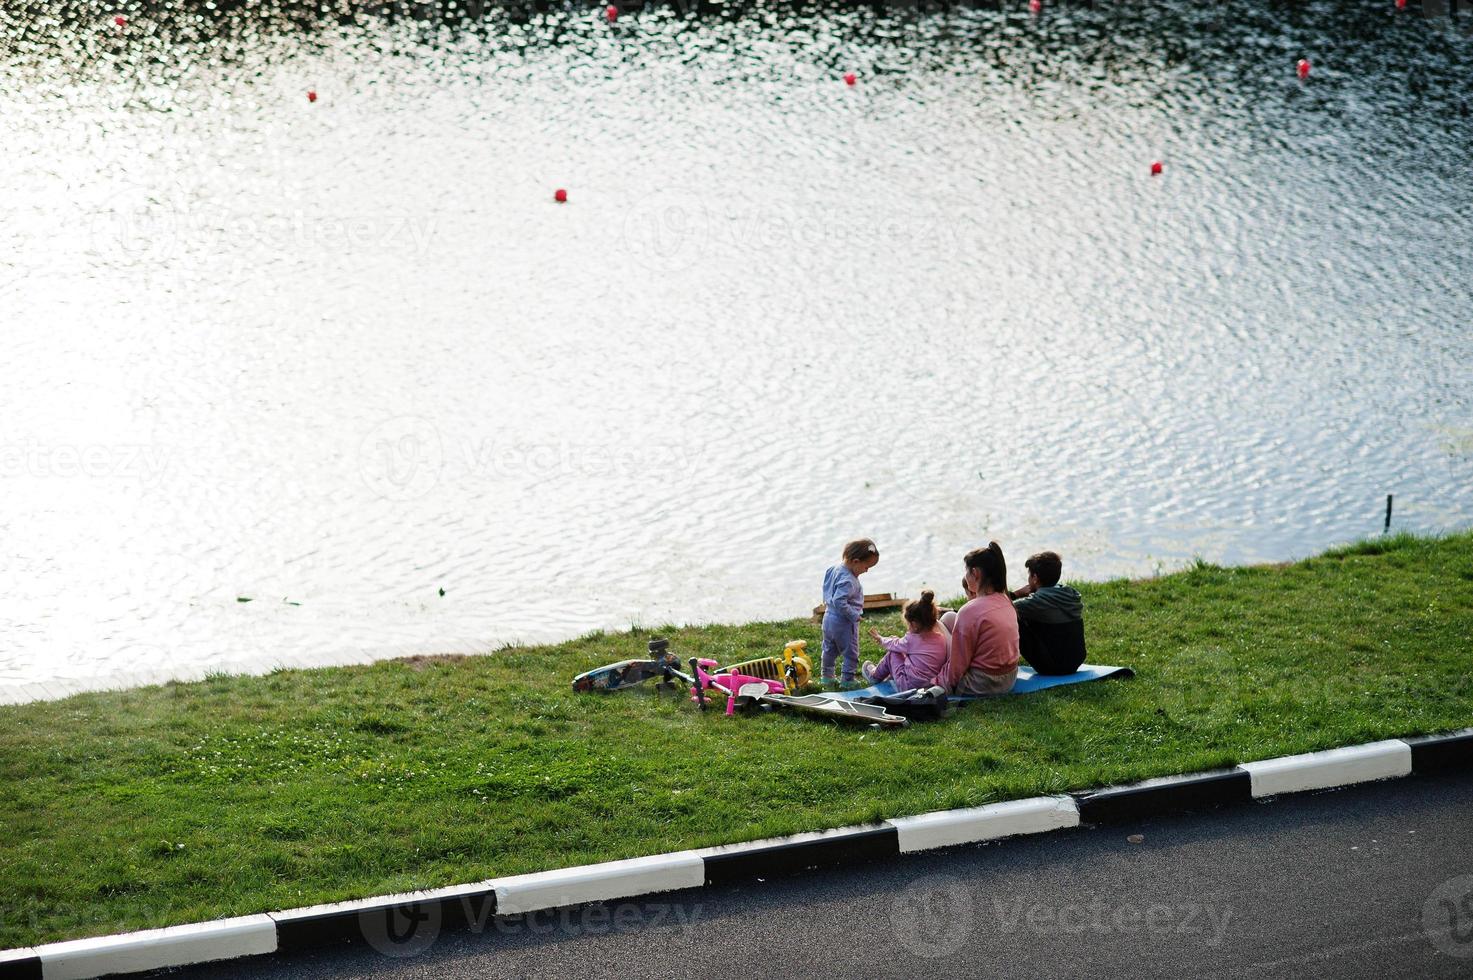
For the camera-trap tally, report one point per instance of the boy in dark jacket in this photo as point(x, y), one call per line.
point(1050, 618)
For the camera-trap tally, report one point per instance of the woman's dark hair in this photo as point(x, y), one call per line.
point(921, 612)
point(1047, 565)
point(990, 562)
point(860, 550)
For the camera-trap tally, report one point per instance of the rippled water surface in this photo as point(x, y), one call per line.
point(336, 356)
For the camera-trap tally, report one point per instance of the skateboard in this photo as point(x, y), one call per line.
point(821, 705)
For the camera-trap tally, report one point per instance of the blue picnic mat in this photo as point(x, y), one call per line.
point(1027, 683)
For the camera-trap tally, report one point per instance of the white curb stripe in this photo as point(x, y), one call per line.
point(1335, 767)
point(599, 882)
point(154, 949)
point(948, 827)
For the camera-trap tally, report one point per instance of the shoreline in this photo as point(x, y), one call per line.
point(60, 688)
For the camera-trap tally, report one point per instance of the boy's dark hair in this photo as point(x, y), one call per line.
point(990, 562)
point(1047, 565)
point(922, 612)
point(860, 550)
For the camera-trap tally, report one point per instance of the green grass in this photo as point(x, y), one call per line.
point(242, 794)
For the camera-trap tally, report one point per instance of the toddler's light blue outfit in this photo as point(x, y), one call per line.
point(845, 601)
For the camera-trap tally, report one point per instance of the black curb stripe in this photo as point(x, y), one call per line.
point(1198, 792)
point(470, 910)
point(1441, 753)
point(785, 859)
point(22, 968)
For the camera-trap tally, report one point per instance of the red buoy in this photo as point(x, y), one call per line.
point(311, 95)
point(120, 20)
point(1302, 68)
point(1401, 4)
point(560, 196)
point(1034, 6)
point(612, 13)
point(849, 78)
point(1156, 168)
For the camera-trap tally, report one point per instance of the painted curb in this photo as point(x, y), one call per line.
point(473, 904)
point(320, 925)
point(801, 852)
point(20, 964)
point(1167, 794)
point(1335, 767)
point(1442, 753)
point(152, 949)
point(946, 828)
point(599, 882)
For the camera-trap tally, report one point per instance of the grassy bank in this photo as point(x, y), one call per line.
point(242, 794)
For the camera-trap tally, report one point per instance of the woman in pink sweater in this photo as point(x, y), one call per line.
point(984, 635)
point(912, 660)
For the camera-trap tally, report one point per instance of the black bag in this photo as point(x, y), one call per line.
point(920, 704)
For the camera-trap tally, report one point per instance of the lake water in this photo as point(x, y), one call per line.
point(336, 356)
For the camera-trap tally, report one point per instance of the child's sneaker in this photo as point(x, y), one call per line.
point(868, 670)
point(828, 681)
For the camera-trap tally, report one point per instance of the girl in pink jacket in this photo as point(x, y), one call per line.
point(915, 659)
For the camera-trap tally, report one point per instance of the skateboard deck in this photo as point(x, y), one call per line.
point(824, 705)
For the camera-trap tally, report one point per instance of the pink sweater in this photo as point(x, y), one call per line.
point(985, 636)
point(924, 657)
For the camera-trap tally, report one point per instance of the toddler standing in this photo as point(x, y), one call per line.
point(844, 602)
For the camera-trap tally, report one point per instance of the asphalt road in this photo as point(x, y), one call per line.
point(1373, 881)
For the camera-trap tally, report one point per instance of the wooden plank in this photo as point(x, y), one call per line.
point(872, 600)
